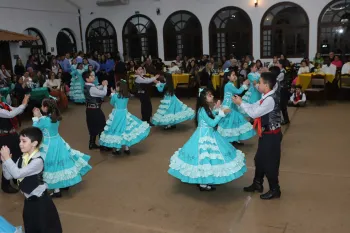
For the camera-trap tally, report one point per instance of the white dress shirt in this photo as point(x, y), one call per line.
point(174, 69)
point(4, 75)
point(346, 68)
point(257, 110)
point(303, 98)
point(143, 80)
point(13, 113)
point(97, 91)
point(11, 171)
point(332, 69)
point(304, 70)
point(53, 83)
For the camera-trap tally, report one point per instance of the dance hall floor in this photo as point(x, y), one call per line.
point(134, 194)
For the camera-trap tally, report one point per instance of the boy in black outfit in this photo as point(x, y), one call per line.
point(39, 213)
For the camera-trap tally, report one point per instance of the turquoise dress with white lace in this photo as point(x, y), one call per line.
point(207, 157)
point(252, 95)
point(234, 127)
point(123, 128)
point(6, 227)
point(64, 166)
point(171, 110)
point(76, 93)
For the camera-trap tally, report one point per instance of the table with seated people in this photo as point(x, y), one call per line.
point(184, 78)
point(305, 79)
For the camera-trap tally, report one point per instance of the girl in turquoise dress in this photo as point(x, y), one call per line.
point(64, 166)
point(252, 95)
point(171, 110)
point(234, 127)
point(122, 128)
point(76, 93)
point(207, 158)
point(91, 69)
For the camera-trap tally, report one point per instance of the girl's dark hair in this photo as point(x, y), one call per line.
point(123, 89)
point(169, 85)
point(33, 133)
point(228, 74)
point(52, 110)
point(86, 75)
point(202, 103)
point(252, 64)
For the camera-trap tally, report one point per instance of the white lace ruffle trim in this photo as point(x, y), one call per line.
point(67, 174)
point(161, 117)
point(206, 170)
point(236, 131)
point(128, 137)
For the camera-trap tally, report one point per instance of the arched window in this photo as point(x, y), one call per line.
point(140, 37)
point(285, 30)
point(101, 36)
point(230, 32)
point(38, 46)
point(334, 28)
point(182, 34)
point(65, 42)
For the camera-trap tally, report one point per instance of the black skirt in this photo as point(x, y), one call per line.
point(12, 142)
point(41, 215)
point(96, 121)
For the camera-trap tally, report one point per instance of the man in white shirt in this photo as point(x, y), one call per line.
point(267, 115)
point(346, 68)
point(329, 68)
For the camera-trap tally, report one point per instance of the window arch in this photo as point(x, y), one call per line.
point(183, 29)
point(65, 42)
point(38, 46)
point(230, 32)
point(101, 36)
point(285, 30)
point(334, 28)
point(140, 37)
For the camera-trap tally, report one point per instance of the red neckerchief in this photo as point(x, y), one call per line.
point(297, 97)
point(14, 121)
point(257, 122)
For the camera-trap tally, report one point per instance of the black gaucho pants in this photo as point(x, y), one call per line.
point(146, 106)
point(40, 215)
point(96, 121)
point(267, 159)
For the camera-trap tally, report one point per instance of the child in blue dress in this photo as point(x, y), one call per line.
point(252, 95)
point(207, 158)
point(64, 166)
point(171, 111)
point(122, 128)
point(234, 127)
point(76, 93)
point(6, 227)
point(91, 69)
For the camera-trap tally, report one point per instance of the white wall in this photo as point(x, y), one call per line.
point(203, 9)
point(48, 16)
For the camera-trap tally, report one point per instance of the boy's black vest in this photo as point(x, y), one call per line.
point(90, 99)
point(272, 120)
point(30, 183)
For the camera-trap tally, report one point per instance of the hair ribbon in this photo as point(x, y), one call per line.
point(200, 91)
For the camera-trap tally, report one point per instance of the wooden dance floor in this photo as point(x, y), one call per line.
point(134, 194)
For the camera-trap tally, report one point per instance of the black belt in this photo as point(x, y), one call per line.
point(93, 106)
point(6, 132)
point(35, 198)
point(270, 128)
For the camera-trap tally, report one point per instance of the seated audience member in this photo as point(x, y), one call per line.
point(329, 68)
point(174, 68)
point(39, 79)
point(298, 98)
point(274, 62)
point(346, 68)
point(56, 90)
point(337, 62)
point(303, 68)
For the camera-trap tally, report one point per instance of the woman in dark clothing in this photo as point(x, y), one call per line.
point(19, 67)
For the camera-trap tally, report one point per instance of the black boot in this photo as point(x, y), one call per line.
point(271, 194)
point(6, 186)
point(285, 117)
point(256, 186)
point(92, 143)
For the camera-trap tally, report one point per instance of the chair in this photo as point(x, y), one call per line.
point(344, 85)
point(317, 91)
